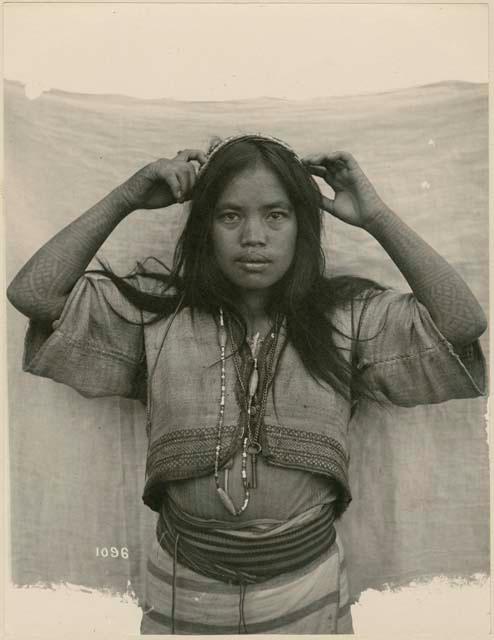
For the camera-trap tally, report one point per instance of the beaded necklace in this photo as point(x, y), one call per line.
point(251, 445)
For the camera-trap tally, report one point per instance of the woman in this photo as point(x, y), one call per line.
point(250, 362)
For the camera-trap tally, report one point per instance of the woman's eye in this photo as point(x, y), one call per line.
point(228, 216)
point(277, 215)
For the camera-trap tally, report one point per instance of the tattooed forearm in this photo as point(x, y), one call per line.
point(40, 288)
point(434, 282)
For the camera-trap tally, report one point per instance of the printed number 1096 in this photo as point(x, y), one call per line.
point(112, 552)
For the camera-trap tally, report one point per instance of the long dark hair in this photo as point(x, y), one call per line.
point(305, 296)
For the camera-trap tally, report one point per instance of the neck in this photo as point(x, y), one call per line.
point(253, 309)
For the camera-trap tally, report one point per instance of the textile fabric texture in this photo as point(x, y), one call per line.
point(311, 600)
point(419, 476)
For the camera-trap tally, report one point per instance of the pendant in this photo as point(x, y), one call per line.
point(227, 501)
point(253, 450)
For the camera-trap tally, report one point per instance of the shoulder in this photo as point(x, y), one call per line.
point(348, 297)
point(98, 297)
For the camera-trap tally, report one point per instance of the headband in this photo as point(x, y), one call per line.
point(225, 142)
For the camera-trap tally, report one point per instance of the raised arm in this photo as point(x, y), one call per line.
point(434, 282)
point(41, 287)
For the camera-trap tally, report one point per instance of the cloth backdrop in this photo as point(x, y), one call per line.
point(419, 476)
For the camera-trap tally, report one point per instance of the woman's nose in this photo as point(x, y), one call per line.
point(253, 232)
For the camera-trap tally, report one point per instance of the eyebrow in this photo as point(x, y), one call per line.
point(282, 204)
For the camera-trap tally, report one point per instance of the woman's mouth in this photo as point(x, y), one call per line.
point(253, 267)
point(253, 263)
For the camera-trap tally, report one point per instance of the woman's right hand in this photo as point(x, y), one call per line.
point(163, 182)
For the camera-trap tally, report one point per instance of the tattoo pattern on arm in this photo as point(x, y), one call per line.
point(434, 282)
point(41, 287)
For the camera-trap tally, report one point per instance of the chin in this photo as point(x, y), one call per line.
point(255, 282)
point(250, 286)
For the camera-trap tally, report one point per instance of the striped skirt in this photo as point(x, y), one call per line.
point(310, 600)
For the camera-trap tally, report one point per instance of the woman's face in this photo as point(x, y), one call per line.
point(254, 230)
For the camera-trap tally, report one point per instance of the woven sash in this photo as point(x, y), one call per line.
point(224, 556)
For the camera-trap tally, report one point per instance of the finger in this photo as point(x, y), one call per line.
point(343, 160)
point(329, 157)
point(317, 170)
point(326, 174)
point(328, 205)
point(192, 154)
point(176, 187)
point(192, 171)
point(171, 179)
point(187, 176)
point(340, 155)
point(314, 159)
point(183, 179)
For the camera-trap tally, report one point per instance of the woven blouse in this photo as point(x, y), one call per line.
point(402, 356)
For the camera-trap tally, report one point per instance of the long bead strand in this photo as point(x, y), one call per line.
point(223, 495)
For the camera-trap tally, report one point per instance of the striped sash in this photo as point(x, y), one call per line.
point(235, 559)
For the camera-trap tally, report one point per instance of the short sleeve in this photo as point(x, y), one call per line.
point(96, 346)
point(401, 354)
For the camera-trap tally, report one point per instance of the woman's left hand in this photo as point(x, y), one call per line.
point(356, 202)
